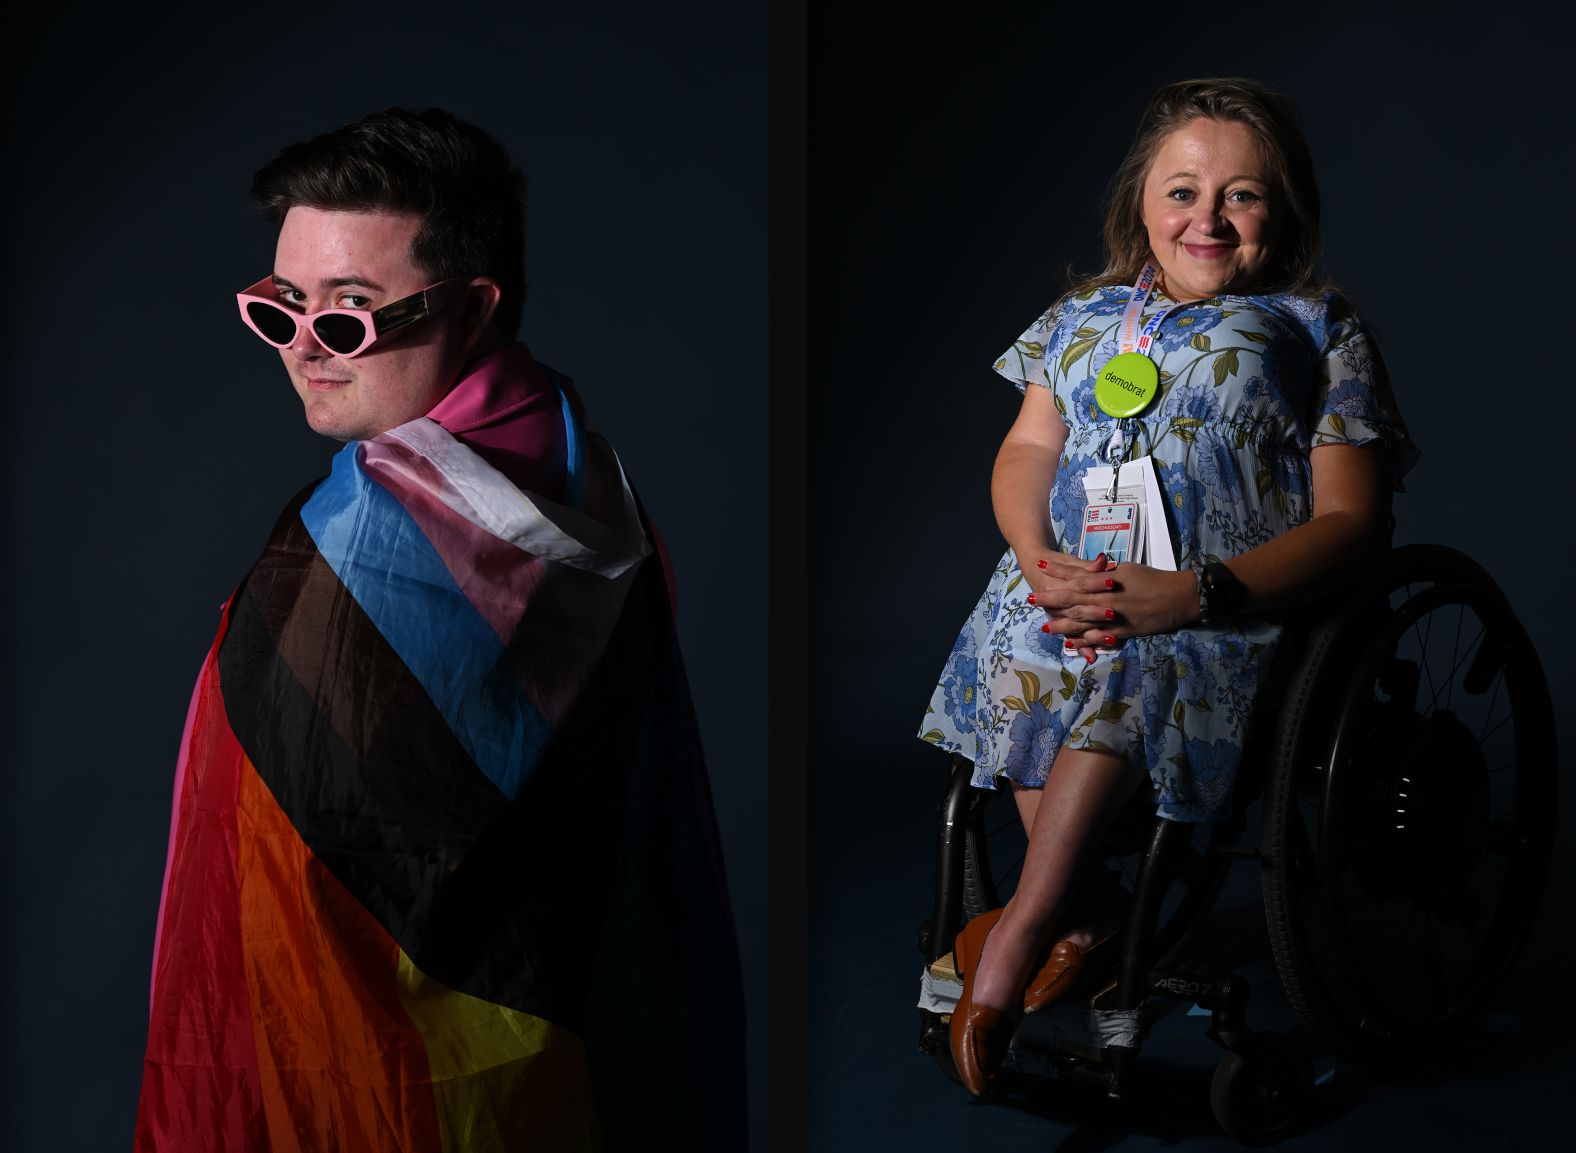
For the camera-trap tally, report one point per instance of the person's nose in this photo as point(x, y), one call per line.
point(1209, 219)
point(306, 346)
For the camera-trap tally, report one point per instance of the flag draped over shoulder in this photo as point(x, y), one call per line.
point(443, 868)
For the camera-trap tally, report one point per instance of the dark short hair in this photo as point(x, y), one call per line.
point(1295, 263)
point(429, 163)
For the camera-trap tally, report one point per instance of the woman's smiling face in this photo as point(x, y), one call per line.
point(1208, 211)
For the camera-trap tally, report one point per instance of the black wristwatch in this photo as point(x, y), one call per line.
point(1220, 594)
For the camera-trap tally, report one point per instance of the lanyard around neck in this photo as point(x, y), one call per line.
point(1132, 339)
point(1129, 381)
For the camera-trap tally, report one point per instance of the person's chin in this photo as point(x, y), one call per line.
point(1216, 282)
point(324, 419)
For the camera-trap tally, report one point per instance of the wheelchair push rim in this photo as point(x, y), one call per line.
point(1406, 851)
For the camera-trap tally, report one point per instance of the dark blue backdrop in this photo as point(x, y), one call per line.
point(151, 439)
point(957, 167)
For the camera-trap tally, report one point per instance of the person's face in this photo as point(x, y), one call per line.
point(1207, 209)
point(362, 260)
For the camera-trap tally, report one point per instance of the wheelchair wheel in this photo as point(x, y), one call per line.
point(1262, 1089)
point(1409, 820)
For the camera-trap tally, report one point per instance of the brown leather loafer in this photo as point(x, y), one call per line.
point(980, 1036)
point(1058, 976)
point(970, 943)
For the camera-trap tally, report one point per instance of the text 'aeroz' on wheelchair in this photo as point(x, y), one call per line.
point(1408, 800)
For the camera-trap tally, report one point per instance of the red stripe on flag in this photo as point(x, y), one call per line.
point(200, 1085)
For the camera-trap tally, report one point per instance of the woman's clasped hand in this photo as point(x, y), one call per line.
point(1098, 604)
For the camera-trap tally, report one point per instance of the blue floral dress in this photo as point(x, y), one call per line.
point(1248, 386)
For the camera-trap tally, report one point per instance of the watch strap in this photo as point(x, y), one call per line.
point(1220, 593)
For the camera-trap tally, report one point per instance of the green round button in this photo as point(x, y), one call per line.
point(1126, 384)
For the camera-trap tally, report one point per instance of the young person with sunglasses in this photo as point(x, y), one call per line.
point(439, 797)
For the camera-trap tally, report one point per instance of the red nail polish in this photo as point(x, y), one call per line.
point(1110, 614)
point(1031, 598)
point(1110, 640)
point(1109, 583)
point(1044, 564)
point(1046, 627)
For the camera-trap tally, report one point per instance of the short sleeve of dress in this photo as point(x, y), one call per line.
point(1352, 400)
point(1032, 357)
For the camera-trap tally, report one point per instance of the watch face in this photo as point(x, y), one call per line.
point(1222, 590)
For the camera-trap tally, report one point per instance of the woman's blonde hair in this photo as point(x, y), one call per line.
point(1296, 256)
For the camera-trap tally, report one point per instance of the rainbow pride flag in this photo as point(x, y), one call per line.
point(443, 869)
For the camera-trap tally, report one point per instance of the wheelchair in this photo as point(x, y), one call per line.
point(1406, 775)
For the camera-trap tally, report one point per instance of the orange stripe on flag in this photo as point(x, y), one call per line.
point(342, 1068)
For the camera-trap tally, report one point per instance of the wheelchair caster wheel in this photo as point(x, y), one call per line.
point(935, 1042)
point(943, 1059)
point(1262, 1088)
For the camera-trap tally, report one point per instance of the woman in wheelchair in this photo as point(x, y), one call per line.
point(1123, 637)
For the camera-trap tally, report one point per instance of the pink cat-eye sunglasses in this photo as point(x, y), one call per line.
point(346, 332)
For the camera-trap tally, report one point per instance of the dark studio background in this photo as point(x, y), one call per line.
point(956, 168)
point(151, 440)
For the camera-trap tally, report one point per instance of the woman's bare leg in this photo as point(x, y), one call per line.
point(1028, 802)
point(1084, 792)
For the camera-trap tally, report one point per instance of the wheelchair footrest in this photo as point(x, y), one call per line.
point(1094, 1069)
point(939, 988)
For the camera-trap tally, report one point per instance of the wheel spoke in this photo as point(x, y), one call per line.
point(1500, 725)
point(1002, 828)
point(1455, 647)
point(1492, 701)
point(1450, 679)
point(1426, 619)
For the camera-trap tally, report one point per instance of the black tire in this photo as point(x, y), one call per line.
point(935, 1042)
point(980, 894)
point(1409, 820)
point(1262, 1089)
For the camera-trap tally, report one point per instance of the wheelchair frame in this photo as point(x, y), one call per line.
point(1326, 845)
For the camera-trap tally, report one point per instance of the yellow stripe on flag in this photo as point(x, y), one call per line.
point(503, 1080)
